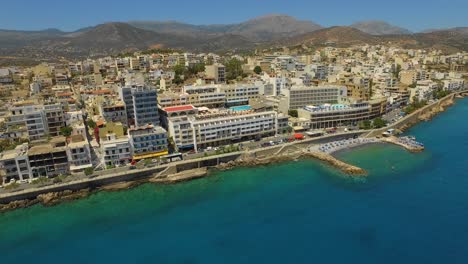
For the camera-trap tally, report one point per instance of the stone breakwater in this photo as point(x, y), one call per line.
point(329, 159)
point(181, 176)
point(342, 166)
point(411, 147)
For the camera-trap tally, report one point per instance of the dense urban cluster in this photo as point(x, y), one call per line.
point(159, 106)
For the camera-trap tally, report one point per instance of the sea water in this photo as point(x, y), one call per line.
point(412, 208)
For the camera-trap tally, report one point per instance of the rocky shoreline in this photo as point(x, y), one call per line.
point(53, 198)
point(47, 199)
point(427, 116)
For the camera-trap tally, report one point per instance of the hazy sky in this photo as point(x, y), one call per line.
point(415, 15)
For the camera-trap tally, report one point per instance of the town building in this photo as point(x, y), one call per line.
point(299, 96)
point(115, 151)
point(55, 118)
point(79, 154)
point(14, 164)
point(334, 115)
point(49, 159)
point(141, 104)
point(216, 72)
point(148, 141)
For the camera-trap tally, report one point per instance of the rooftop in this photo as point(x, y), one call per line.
point(179, 108)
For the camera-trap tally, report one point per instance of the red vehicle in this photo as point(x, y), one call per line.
point(298, 136)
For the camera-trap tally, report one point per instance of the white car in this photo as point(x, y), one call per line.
point(23, 181)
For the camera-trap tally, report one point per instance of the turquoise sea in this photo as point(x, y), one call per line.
point(413, 208)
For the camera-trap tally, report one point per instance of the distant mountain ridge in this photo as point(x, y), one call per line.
point(450, 40)
point(260, 29)
point(271, 30)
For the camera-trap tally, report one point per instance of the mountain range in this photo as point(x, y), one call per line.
point(117, 37)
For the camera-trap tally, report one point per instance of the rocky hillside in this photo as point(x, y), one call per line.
point(377, 27)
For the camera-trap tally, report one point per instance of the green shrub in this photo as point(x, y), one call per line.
point(88, 171)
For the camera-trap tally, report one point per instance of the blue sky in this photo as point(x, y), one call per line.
point(415, 15)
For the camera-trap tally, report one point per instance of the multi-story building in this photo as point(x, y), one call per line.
point(225, 127)
point(6, 76)
point(79, 154)
point(55, 118)
point(115, 151)
point(168, 99)
point(239, 94)
point(454, 84)
point(333, 115)
point(49, 159)
point(113, 112)
point(141, 104)
point(208, 96)
point(14, 164)
point(148, 141)
point(408, 77)
point(190, 127)
point(30, 116)
point(216, 72)
point(176, 121)
point(299, 96)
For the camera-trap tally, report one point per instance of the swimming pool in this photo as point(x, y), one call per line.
point(241, 108)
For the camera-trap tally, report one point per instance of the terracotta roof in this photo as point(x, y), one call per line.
point(179, 108)
point(65, 94)
point(100, 122)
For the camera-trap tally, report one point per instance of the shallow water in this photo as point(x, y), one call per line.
point(412, 208)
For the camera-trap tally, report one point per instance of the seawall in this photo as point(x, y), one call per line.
point(423, 114)
point(120, 180)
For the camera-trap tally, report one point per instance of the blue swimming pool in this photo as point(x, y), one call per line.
point(241, 108)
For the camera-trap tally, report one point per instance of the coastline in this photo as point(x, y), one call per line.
point(245, 159)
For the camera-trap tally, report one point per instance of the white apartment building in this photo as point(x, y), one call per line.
point(239, 94)
point(14, 164)
point(190, 127)
point(209, 96)
point(115, 151)
point(299, 96)
point(79, 155)
point(32, 117)
point(454, 84)
point(224, 127)
point(327, 115)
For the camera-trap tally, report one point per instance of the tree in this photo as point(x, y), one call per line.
point(439, 93)
point(179, 69)
point(91, 124)
point(379, 122)
point(366, 124)
point(233, 69)
point(257, 69)
point(66, 131)
point(194, 69)
point(293, 113)
point(178, 80)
